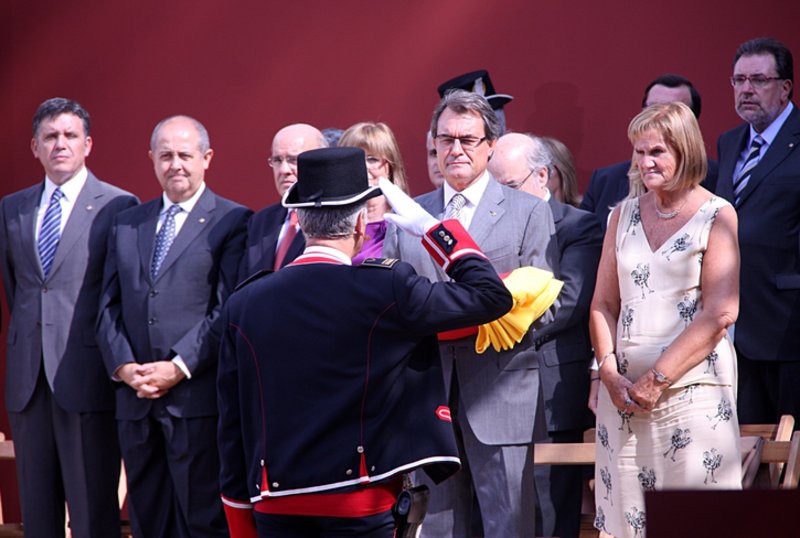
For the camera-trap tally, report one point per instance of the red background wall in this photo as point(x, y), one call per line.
point(247, 68)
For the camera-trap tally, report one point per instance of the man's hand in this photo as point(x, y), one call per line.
point(151, 380)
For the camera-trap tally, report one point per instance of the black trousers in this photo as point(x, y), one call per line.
point(65, 456)
point(172, 466)
point(767, 390)
point(280, 526)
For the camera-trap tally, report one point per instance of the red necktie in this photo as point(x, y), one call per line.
point(286, 240)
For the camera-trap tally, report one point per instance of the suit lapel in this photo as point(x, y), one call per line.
point(488, 212)
point(195, 223)
point(80, 218)
point(147, 235)
point(784, 143)
point(433, 203)
point(557, 209)
point(26, 212)
point(269, 243)
point(728, 167)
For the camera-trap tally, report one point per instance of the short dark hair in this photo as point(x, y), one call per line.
point(55, 107)
point(767, 45)
point(671, 80)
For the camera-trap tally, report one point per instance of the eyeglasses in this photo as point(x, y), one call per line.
point(467, 142)
point(275, 161)
point(756, 81)
point(374, 162)
point(516, 184)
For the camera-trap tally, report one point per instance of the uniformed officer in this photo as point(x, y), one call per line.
point(329, 384)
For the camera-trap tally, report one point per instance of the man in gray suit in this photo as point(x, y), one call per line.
point(493, 397)
point(171, 264)
point(60, 402)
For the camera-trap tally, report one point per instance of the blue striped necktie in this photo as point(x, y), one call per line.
point(164, 239)
point(753, 156)
point(50, 232)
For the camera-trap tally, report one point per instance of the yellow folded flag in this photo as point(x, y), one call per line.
point(534, 291)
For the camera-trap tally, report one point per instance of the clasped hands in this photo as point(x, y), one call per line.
point(151, 380)
point(629, 397)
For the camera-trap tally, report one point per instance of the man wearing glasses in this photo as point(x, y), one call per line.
point(273, 236)
point(759, 172)
point(494, 396)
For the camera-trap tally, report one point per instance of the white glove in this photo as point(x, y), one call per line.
point(408, 215)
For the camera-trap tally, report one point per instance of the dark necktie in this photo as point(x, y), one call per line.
point(286, 240)
point(753, 156)
point(50, 232)
point(164, 239)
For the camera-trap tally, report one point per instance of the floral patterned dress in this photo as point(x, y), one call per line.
point(691, 438)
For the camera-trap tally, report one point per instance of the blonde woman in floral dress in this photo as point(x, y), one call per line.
point(667, 291)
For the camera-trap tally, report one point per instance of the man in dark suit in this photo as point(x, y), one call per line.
point(273, 236)
point(330, 385)
point(171, 264)
point(563, 348)
point(60, 402)
point(608, 186)
point(494, 395)
point(760, 175)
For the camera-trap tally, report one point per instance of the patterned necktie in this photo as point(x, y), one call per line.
point(457, 203)
point(286, 240)
point(753, 156)
point(50, 232)
point(164, 239)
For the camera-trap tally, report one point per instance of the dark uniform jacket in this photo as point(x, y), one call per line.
point(329, 375)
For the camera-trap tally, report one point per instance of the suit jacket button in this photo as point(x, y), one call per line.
point(44, 289)
point(153, 293)
point(152, 321)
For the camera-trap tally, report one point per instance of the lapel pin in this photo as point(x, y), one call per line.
point(202, 220)
point(791, 144)
point(89, 207)
point(493, 213)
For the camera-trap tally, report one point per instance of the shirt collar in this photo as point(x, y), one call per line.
point(186, 205)
point(771, 132)
point(473, 193)
point(70, 189)
point(328, 252)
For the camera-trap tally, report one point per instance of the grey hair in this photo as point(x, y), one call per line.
point(538, 154)
point(463, 102)
point(332, 222)
point(205, 142)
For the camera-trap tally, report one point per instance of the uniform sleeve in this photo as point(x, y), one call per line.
point(476, 296)
point(233, 470)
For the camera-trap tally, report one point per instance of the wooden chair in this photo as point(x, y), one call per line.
point(773, 445)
